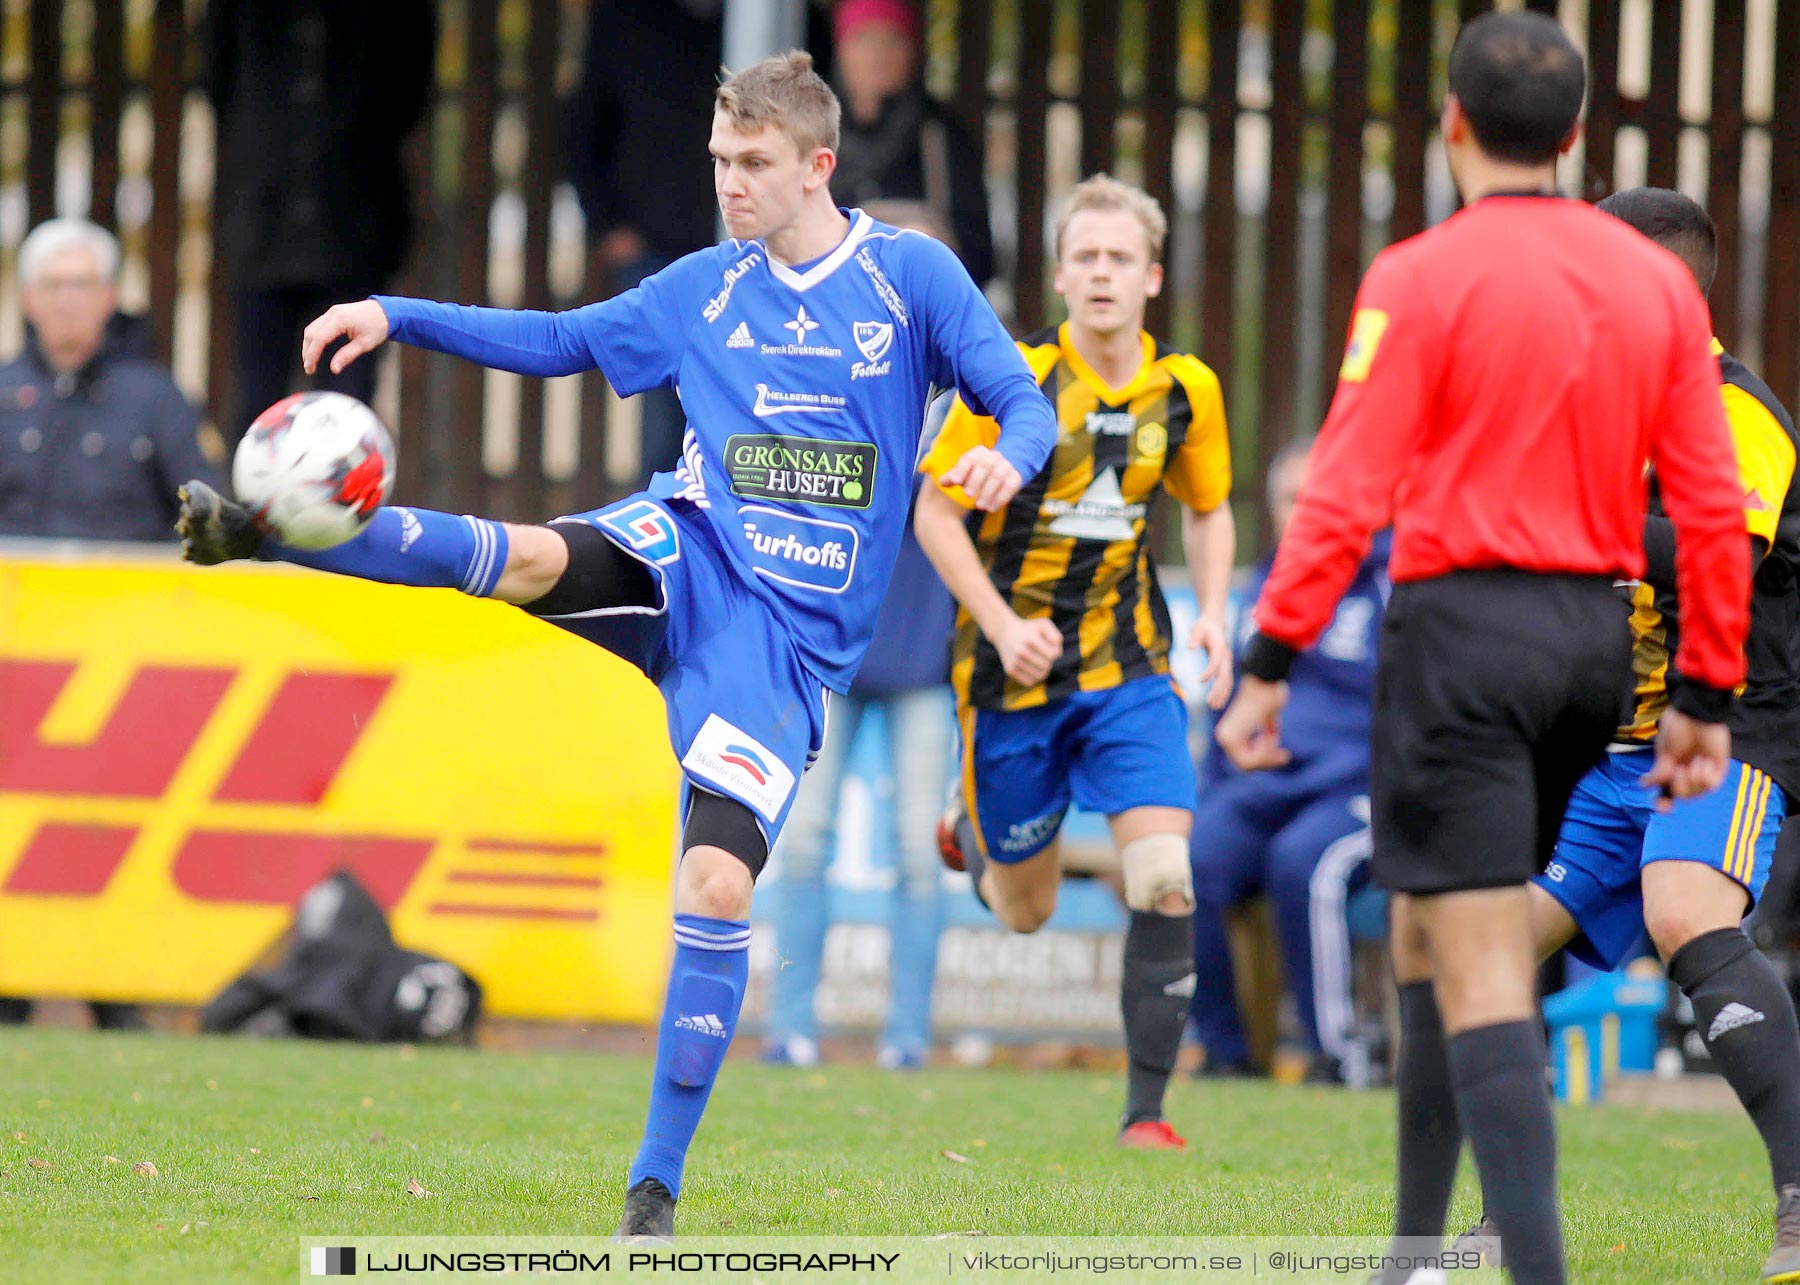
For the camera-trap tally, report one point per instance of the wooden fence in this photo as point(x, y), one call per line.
point(1289, 140)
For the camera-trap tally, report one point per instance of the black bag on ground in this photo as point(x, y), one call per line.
point(344, 978)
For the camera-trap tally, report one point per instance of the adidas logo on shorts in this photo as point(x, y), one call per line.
point(1730, 1018)
point(709, 1024)
point(740, 338)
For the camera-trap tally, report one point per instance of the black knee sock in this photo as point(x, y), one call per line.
point(1744, 1014)
point(1430, 1136)
point(1154, 993)
point(1504, 1106)
point(599, 574)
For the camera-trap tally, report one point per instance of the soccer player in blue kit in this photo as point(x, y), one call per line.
point(745, 583)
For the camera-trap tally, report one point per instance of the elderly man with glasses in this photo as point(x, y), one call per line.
point(94, 434)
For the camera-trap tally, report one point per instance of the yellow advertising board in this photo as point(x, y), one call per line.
point(184, 751)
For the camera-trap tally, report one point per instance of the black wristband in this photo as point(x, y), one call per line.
point(1697, 700)
point(1267, 659)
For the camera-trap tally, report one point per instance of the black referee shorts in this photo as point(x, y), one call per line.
point(1496, 692)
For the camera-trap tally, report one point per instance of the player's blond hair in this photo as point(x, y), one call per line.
point(1104, 192)
point(783, 92)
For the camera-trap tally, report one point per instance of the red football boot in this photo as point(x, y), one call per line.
point(1152, 1135)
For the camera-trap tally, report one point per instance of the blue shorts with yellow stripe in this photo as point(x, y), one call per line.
point(1612, 830)
point(1111, 750)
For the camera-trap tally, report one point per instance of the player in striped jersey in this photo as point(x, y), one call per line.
point(1061, 659)
point(1690, 874)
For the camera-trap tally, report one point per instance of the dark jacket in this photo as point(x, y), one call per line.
point(915, 151)
point(313, 98)
point(1331, 688)
point(639, 121)
point(97, 454)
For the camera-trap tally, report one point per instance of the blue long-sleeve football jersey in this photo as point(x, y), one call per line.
point(805, 390)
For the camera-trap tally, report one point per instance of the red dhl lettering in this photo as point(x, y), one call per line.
point(136, 753)
point(70, 859)
point(276, 869)
point(292, 756)
point(304, 737)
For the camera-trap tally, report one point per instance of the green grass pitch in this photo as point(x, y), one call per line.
point(257, 1144)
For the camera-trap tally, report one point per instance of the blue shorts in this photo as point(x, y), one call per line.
point(1612, 830)
point(1125, 747)
point(745, 715)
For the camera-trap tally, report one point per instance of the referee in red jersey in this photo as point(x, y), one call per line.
point(1509, 375)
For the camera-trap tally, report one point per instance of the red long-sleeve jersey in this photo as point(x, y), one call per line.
point(1509, 375)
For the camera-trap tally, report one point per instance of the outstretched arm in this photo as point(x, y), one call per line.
point(525, 342)
point(636, 339)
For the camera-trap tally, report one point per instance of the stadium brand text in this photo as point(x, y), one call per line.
point(715, 306)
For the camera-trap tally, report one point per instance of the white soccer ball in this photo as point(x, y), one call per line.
point(313, 468)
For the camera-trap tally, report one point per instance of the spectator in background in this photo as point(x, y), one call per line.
point(94, 436)
point(313, 99)
point(652, 67)
point(901, 155)
point(1300, 833)
point(905, 678)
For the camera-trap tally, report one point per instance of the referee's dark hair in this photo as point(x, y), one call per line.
point(1676, 222)
point(1520, 81)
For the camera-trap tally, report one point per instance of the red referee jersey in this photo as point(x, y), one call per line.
point(1509, 374)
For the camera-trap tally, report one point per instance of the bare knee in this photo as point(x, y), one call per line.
point(1021, 904)
point(713, 883)
point(1686, 899)
point(1022, 914)
point(1673, 925)
point(1482, 961)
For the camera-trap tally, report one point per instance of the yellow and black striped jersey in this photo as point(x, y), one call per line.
point(1070, 547)
point(1764, 437)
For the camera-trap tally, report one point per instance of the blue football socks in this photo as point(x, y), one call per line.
point(706, 990)
point(413, 547)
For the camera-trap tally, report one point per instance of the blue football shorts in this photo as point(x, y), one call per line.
point(1612, 830)
point(745, 715)
point(1112, 750)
